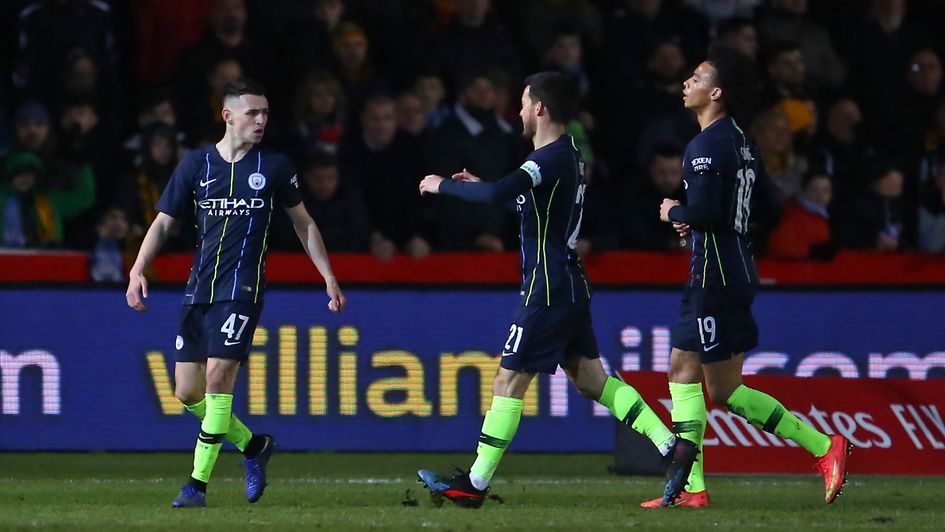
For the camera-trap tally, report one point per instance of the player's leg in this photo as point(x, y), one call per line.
point(725, 386)
point(500, 424)
point(221, 378)
point(498, 428)
point(686, 485)
point(190, 387)
point(622, 400)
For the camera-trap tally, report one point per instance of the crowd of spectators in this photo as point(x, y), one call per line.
point(101, 99)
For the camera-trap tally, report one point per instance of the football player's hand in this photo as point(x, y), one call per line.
point(338, 301)
point(665, 207)
point(466, 176)
point(430, 184)
point(681, 228)
point(137, 291)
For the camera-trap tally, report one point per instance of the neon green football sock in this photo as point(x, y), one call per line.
point(239, 435)
point(498, 429)
point(689, 416)
point(627, 405)
point(768, 414)
point(213, 429)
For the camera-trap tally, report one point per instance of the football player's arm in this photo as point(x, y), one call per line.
point(157, 234)
point(177, 196)
point(703, 201)
point(311, 239)
point(496, 193)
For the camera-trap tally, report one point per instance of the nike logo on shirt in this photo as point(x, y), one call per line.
point(227, 342)
point(205, 183)
point(710, 347)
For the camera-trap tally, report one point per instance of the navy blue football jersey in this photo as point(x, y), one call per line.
point(548, 194)
point(720, 170)
point(233, 204)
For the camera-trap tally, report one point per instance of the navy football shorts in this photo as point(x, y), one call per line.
point(716, 322)
point(218, 330)
point(541, 338)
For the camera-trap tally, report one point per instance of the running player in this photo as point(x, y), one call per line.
point(234, 186)
point(716, 327)
point(552, 325)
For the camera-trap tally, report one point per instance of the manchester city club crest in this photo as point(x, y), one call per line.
point(257, 181)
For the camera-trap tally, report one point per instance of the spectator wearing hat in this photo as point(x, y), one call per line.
point(32, 215)
point(359, 76)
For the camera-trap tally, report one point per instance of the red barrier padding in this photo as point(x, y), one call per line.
point(613, 268)
point(28, 266)
point(895, 425)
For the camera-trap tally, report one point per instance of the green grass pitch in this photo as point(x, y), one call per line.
point(358, 491)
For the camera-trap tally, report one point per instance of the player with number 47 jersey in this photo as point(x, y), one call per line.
point(233, 186)
point(551, 325)
point(715, 326)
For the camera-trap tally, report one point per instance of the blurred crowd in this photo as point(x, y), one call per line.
point(100, 100)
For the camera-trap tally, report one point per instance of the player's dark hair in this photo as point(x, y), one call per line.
point(243, 86)
point(735, 75)
point(558, 92)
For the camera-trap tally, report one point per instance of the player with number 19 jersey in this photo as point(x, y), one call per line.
point(720, 169)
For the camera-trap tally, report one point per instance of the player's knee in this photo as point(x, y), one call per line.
point(187, 397)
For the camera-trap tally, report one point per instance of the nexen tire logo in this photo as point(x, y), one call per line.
point(231, 206)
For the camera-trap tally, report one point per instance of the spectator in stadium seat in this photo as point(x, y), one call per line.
point(411, 118)
point(320, 116)
point(385, 166)
point(473, 139)
point(565, 54)
point(34, 135)
point(879, 48)
point(155, 106)
point(932, 211)
point(107, 261)
point(307, 39)
point(637, 26)
point(772, 133)
point(839, 149)
point(661, 90)
point(804, 230)
point(875, 218)
point(788, 20)
point(48, 31)
point(786, 72)
point(31, 214)
point(913, 121)
point(739, 33)
point(360, 78)
point(334, 204)
point(721, 11)
point(639, 226)
point(228, 38)
point(475, 42)
point(429, 88)
point(200, 115)
point(141, 185)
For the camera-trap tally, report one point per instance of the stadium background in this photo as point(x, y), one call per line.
point(858, 295)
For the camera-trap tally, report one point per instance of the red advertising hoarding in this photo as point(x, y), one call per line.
point(897, 426)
